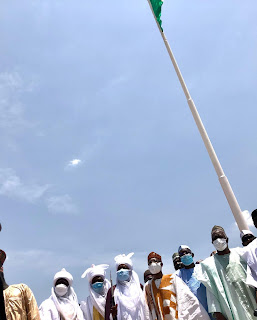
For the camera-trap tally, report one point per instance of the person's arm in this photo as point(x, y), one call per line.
point(31, 304)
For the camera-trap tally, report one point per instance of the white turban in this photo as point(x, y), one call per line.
point(65, 275)
point(123, 259)
point(95, 271)
point(245, 232)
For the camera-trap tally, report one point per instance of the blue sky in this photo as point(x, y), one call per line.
point(92, 81)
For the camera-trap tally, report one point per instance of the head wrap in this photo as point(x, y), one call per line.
point(128, 295)
point(94, 271)
point(154, 255)
point(218, 228)
point(2, 257)
point(123, 259)
point(66, 305)
point(183, 246)
point(245, 232)
point(97, 300)
point(63, 274)
point(175, 256)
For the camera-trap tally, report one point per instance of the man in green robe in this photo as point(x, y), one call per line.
point(224, 275)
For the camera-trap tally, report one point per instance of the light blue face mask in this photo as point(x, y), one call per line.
point(187, 259)
point(98, 287)
point(123, 275)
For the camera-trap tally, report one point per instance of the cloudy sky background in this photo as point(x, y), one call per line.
point(99, 151)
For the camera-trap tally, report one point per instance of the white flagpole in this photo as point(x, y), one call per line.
point(232, 201)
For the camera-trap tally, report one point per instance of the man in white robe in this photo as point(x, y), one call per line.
point(63, 302)
point(129, 299)
point(94, 306)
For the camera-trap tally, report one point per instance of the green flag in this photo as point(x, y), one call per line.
point(157, 8)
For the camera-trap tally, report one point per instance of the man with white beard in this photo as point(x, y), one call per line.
point(63, 302)
point(94, 306)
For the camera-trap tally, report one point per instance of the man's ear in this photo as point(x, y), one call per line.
point(161, 264)
point(193, 254)
point(227, 240)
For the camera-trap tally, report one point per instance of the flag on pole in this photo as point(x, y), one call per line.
point(157, 9)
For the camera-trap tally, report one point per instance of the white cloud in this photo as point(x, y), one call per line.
point(12, 186)
point(11, 108)
point(61, 205)
point(74, 162)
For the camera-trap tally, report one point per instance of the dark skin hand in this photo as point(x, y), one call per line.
point(220, 234)
point(114, 308)
point(149, 277)
point(248, 238)
point(158, 275)
point(219, 316)
point(186, 251)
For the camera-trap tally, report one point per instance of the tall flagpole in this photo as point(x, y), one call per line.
point(232, 201)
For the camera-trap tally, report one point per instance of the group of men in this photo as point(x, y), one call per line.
point(221, 287)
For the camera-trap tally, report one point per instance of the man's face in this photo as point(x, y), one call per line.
point(122, 266)
point(154, 260)
point(218, 234)
point(182, 252)
point(97, 279)
point(62, 281)
point(177, 263)
point(248, 238)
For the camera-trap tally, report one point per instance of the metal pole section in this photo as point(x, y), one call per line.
point(232, 201)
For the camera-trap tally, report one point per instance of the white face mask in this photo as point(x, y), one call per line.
point(155, 267)
point(220, 244)
point(61, 289)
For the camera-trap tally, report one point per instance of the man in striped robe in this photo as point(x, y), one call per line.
point(168, 297)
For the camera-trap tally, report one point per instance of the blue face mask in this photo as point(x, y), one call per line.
point(123, 275)
point(187, 259)
point(98, 287)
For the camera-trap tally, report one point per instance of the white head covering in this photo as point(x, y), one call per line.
point(66, 305)
point(183, 246)
point(123, 259)
point(64, 275)
point(129, 295)
point(95, 299)
point(244, 232)
point(94, 271)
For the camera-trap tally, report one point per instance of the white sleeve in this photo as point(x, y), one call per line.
point(213, 303)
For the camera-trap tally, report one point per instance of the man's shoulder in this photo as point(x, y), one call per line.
point(47, 304)
point(208, 261)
